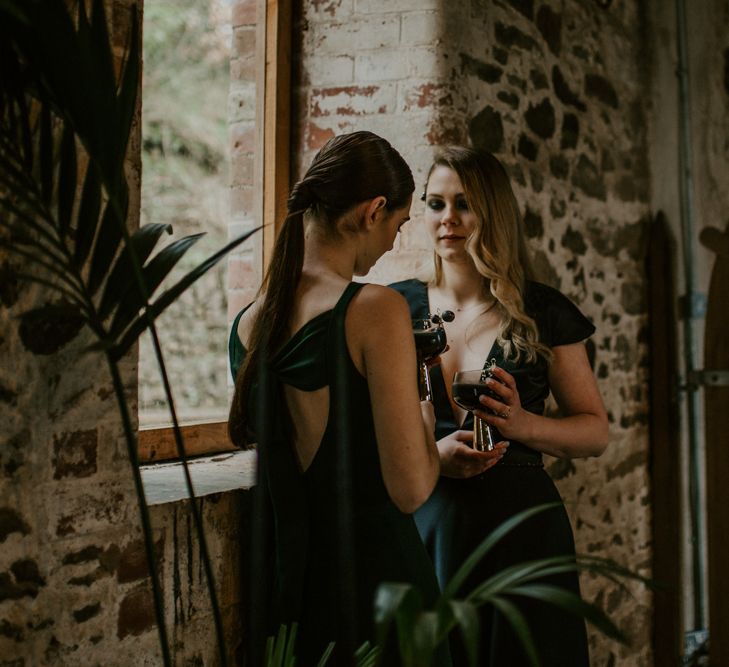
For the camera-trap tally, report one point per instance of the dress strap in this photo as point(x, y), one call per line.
point(236, 350)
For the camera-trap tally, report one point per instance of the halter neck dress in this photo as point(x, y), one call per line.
point(387, 547)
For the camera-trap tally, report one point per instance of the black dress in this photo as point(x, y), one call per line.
point(461, 512)
point(307, 573)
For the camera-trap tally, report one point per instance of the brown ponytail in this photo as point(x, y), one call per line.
point(349, 169)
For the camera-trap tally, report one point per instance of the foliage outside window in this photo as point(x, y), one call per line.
point(185, 183)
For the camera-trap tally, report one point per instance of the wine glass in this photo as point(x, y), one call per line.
point(467, 388)
point(430, 341)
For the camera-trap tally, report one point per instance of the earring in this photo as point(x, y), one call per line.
point(422, 196)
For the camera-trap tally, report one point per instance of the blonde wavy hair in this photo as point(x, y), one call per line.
point(497, 247)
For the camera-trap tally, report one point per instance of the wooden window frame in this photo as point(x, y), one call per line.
point(272, 180)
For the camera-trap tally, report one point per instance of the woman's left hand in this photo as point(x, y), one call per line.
point(505, 413)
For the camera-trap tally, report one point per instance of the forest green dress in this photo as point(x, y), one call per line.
point(387, 547)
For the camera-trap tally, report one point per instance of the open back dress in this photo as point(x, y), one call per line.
point(308, 575)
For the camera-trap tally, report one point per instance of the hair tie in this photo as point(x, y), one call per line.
point(301, 197)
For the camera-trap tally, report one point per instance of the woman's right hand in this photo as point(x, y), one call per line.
point(458, 459)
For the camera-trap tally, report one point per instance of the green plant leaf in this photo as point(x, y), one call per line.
point(325, 656)
point(424, 637)
point(67, 176)
point(11, 8)
point(466, 616)
point(289, 658)
point(388, 600)
point(102, 72)
point(170, 295)
point(366, 655)
point(519, 625)
point(88, 215)
point(513, 575)
point(45, 153)
point(574, 604)
point(488, 543)
point(153, 273)
point(121, 278)
point(279, 649)
point(109, 239)
point(127, 98)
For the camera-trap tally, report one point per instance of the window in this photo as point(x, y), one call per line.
point(206, 153)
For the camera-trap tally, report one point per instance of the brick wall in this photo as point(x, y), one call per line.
point(244, 265)
point(556, 90)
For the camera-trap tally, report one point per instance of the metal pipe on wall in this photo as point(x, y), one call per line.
point(693, 309)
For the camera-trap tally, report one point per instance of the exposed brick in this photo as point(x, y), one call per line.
point(242, 200)
point(244, 13)
point(427, 96)
point(325, 70)
point(132, 563)
point(244, 45)
point(329, 8)
point(353, 100)
point(242, 137)
point(418, 28)
point(242, 103)
point(382, 6)
point(136, 613)
point(243, 69)
point(74, 454)
point(424, 62)
point(242, 273)
point(362, 33)
point(317, 136)
point(241, 169)
point(96, 506)
point(381, 65)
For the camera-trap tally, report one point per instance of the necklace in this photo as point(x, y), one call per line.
point(463, 309)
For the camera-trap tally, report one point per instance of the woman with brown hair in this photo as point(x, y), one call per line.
point(533, 336)
point(320, 342)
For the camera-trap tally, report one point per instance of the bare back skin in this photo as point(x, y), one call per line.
point(309, 409)
point(379, 341)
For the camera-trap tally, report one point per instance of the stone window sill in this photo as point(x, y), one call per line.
point(165, 482)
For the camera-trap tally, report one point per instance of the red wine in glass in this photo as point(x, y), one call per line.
point(430, 341)
point(467, 388)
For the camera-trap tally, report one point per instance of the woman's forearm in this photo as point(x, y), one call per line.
point(574, 436)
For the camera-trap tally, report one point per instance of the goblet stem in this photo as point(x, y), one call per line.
point(424, 382)
point(483, 439)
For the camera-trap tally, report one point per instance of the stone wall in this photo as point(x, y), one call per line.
point(557, 91)
point(73, 582)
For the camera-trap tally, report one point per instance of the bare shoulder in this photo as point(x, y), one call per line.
point(245, 324)
point(379, 304)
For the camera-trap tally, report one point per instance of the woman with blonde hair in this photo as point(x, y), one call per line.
point(327, 366)
point(533, 337)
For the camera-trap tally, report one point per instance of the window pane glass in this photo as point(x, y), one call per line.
point(185, 184)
